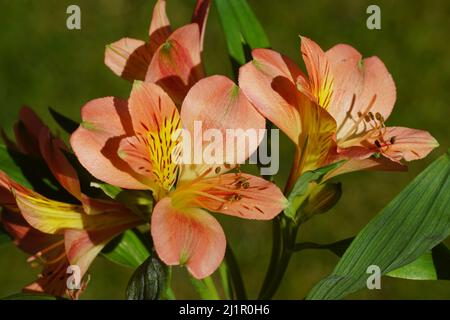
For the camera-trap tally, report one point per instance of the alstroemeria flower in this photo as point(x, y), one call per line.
point(170, 59)
point(56, 233)
point(337, 112)
point(130, 144)
point(45, 248)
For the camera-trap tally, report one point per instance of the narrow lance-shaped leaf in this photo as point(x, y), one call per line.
point(250, 27)
point(127, 250)
point(64, 122)
point(432, 265)
point(230, 26)
point(411, 225)
point(10, 167)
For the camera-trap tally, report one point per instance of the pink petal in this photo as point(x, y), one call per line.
point(52, 152)
point(106, 122)
point(191, 237)
point(160, 28)
point(176, 65)
point(27, 130)
point(241, 195)
point(128, 58)
point(25, 237)
point(154, 117)
point(200, 17)
point(359, 86)
point(268, 82)
point(149, 107)
point(319, 88)
point(398, 143)
point(217, 103)
point(372, 164)
point(83, 246)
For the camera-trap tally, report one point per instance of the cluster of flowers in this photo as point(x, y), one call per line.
point(337, 111)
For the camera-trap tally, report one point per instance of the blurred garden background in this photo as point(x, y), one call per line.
point(44, 64)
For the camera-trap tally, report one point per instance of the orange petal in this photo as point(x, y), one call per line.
point(53, 217)
point(398, 143)
point(176, 65)
point(155, 119)
point(372, 164)
point(128, 58)
point(190, 237)
point(82, 246)
point(25, 237)
point(52, 152)
point(217, 103)
point(160, 25)
point(149, 107)
point(241, 195)
point(321, 80)
point(268, 82)
point(360, 86)
point(27, 130)
point(200, 17)
point(316, 141)
point(106, 122)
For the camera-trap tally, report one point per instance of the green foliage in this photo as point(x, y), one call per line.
point(149, 281)
point(242, 30)
point(411, 225)
point(300, 191)
point(127, 250)
point(64, 122)
point(9, 165)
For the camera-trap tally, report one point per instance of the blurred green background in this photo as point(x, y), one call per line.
point(45, 64)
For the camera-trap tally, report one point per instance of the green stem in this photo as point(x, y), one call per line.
point(169, 294)
point(235, 273)
point(285, 233)
point(225, 280)
point(206, 288)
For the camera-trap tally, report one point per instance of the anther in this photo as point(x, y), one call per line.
point(378, 116)
point(392, 140)
point(378, 144)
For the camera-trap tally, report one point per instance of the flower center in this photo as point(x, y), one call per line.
point(163, 145)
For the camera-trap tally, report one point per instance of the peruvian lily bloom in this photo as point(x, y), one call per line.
point(132, 144)
point(337, 112)
point(60, 234)
point(170, 59)
point(45, 248)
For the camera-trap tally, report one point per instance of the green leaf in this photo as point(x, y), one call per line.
point(127, 250)
point(411, 225)
point(64, 122)
point(231, 28)
point(10, 167)
point(301, 187)
point(31, 296)
point(420, 269)
point(148, 282)
point(140, 202)
point(250, 27)
point(433, 265)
